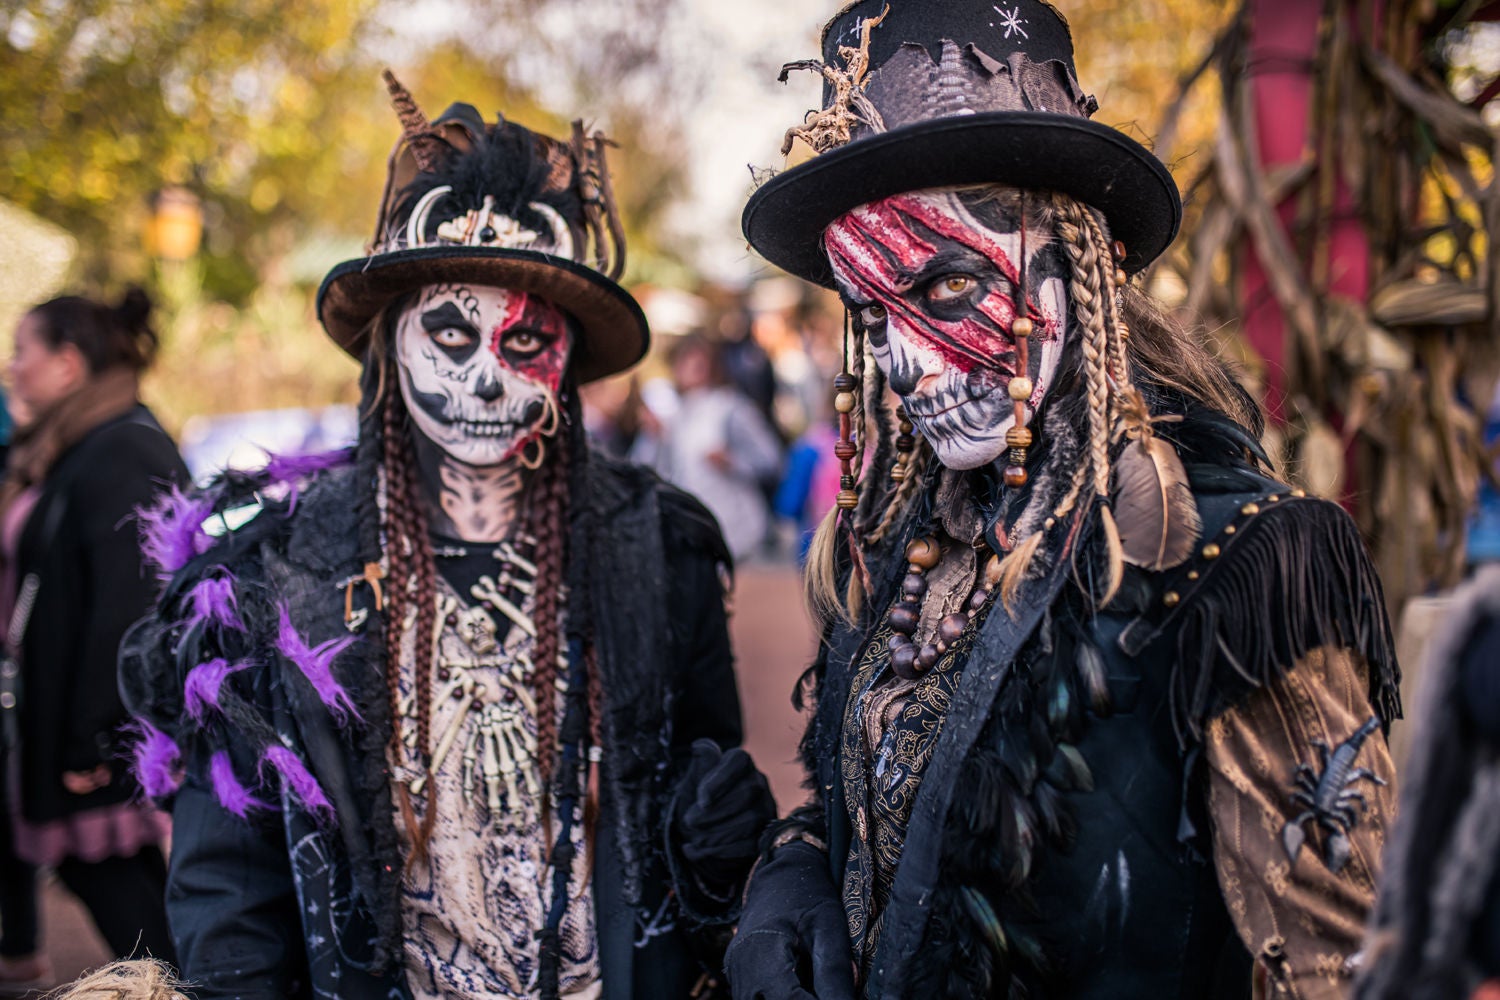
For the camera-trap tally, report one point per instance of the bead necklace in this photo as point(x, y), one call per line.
point(909, 660)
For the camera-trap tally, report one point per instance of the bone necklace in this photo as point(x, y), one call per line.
point(489, 688)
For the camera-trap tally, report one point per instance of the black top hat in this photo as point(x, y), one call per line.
point(496, 205)
point(932, 93)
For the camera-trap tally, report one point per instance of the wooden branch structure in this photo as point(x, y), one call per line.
point(1338, 242)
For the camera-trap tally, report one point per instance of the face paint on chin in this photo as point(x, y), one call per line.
point(480, 370)
point(943, 267)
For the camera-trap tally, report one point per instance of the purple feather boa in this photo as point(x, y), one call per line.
point(298, 778)
point(213, 600)
point(289, 471)
point(172, 530)
point(232, 795)
point(200, 692)
point(316, 664)
point(157, 760)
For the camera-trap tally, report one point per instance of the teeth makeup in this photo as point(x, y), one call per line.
point(480, 370)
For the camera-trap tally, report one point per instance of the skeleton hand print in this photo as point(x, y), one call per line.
point(480, 369)
point(932, 277)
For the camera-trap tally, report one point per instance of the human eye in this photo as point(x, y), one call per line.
point(873, 314)
point(951, 288)
point(524, 341)
point(452, 337)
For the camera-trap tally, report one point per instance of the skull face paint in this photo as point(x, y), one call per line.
point(932, 276)
point(480, 369)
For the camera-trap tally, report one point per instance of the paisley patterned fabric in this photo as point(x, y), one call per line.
point(472, 914)
point(890, 728)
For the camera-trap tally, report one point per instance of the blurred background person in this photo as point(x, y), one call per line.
point(86, 454)
point(716, 444)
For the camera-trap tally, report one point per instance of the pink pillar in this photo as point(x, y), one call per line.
point(1283, 52)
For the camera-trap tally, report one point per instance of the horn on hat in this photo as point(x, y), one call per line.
point(425, 141)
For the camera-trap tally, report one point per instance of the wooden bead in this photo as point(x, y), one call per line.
point(1015, 476)
point(1018, 437)
point(1022, 327)
point(1119, 250)
point(1121, 278)
point(923, 552)
point(898, 472)
point(927, 657)
point(898, 641)
point(847, 499)
point(905, 442)
point(844, 382)
point(844, 402)
point(1020, 388)
point(914, 585)
point(979, 600)
point(904, 662)
point(951, 627)
point(845, 450)
point(903, 618)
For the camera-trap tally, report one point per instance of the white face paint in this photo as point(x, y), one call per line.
point(480, 370)
point(933, 277)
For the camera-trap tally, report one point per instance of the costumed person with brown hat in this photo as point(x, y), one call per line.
point(1099, 704)
point(453, 714)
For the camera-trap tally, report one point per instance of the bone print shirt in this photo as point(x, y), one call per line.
point(471, 914)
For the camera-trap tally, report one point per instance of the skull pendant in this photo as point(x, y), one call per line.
point(477, 629)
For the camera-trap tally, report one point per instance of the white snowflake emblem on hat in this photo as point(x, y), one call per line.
point(1011, 20)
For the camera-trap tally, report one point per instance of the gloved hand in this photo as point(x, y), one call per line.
point(723, 805)
point(793, 938)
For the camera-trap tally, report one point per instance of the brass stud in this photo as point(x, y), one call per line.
point(1230, 530)
point(1250, 508)
point(1210, 551)
point(1272, 498)
point(1171, 599)
point(1299, 493)
point(1193, 575)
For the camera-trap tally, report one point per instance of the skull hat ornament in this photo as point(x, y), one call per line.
point(965, 92)
point(494, 205)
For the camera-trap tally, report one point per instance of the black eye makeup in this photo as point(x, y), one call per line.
point(451, 331)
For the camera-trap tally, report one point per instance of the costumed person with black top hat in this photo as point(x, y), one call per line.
point(453, 714)
point(1099, 705)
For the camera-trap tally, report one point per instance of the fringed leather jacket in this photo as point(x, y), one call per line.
point(299, 896)
point(1124, 803)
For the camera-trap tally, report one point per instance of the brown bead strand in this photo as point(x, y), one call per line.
point(907, 659)
point(844, 386)
point(906, 443)
point(1020, 388)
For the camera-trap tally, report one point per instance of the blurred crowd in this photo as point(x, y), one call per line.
point(734, 406)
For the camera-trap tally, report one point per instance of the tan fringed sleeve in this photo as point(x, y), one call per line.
point(1300, 919)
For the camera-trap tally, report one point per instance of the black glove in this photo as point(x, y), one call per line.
point(723, 806)
point(793, 938)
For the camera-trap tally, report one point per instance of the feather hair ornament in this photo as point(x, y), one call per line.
point(1158, 518)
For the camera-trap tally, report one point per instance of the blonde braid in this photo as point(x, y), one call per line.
point(1087, 292)
point(916, 467)
point(1116, 332)
point(1093, 273)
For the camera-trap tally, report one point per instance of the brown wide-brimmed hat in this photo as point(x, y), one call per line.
point(963, 92)
point(498, 205)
